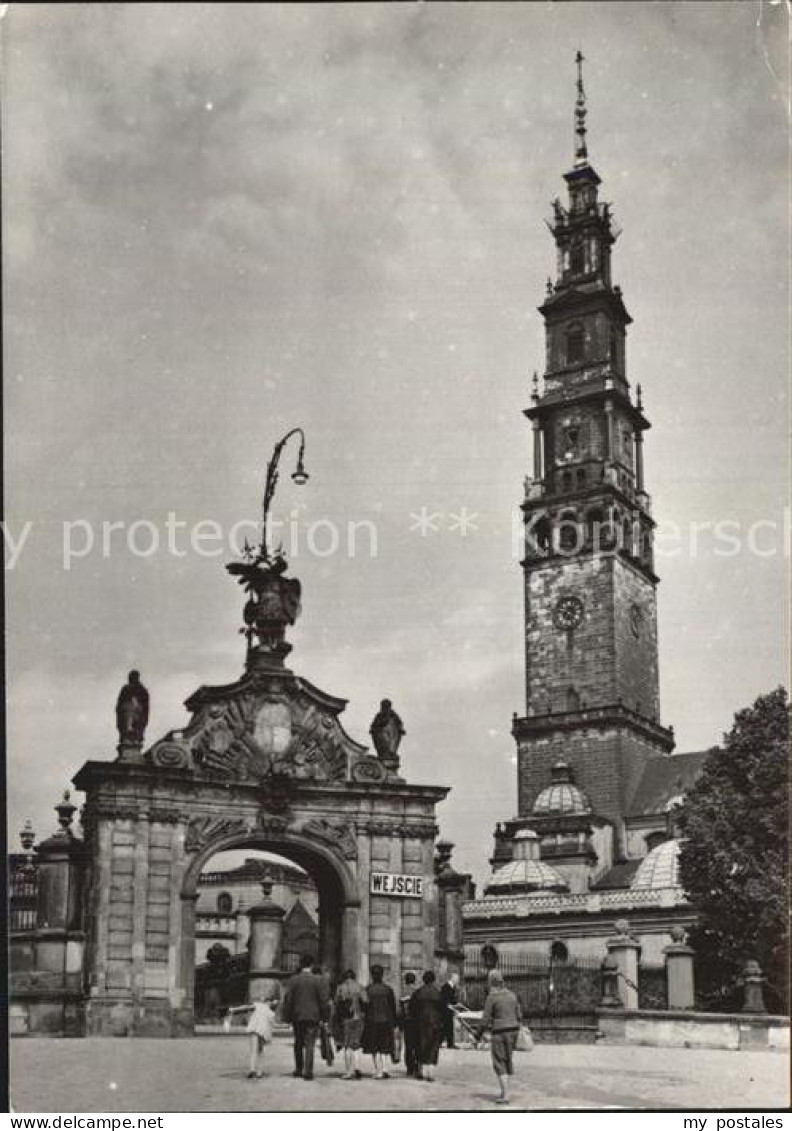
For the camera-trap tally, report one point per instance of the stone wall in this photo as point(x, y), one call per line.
point(735, 1031)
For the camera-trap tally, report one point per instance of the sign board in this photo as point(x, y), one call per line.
point(393, 883)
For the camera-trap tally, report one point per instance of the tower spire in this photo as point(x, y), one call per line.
point(581, 153)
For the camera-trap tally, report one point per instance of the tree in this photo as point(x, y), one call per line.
point(735, 855)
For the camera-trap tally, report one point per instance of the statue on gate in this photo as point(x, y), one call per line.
point(132, 709)
point(387, 731)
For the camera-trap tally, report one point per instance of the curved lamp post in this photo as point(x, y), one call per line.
point(299, 475)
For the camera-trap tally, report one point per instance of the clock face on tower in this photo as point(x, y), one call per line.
point(568, 613)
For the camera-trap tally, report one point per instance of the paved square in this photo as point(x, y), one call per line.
point(208, 1073)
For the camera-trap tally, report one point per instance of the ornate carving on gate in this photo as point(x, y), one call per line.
point(368, 769)
point(202, 830)
point(339, 836)
point(170, 755)
point(260, 727)
point(271, 824)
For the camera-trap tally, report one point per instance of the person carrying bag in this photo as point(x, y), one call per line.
point(503, 1016)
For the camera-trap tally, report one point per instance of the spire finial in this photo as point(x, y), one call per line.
point(581, 153)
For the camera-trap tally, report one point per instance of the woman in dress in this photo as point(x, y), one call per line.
point(426, 1009)
point(503, 1016)
point(350, 1004)
point(381, 1020)
point(260, 1027)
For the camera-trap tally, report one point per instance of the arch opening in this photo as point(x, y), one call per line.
point(303, 880)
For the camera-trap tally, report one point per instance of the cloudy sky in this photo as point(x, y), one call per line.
point(220, 222)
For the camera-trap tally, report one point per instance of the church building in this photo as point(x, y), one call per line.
point(598, 782)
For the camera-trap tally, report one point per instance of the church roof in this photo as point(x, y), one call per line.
point(618, 876)
point(562, 796)
point(659, 869)
point(298, 916)
point(523, 877)
point(664, 778)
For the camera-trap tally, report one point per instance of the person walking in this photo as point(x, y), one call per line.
point(426, 1008)
point(407, 1026)
point(381, 1019)
point(449, 994)
point(350, 1003)
point(326, 1024)
point(260, 1027)
point(503, 1016)
point(305, 1003)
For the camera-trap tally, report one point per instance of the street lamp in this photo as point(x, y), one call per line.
point(299, 475)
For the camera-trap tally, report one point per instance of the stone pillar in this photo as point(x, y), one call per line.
point(266, 934)
point(59, 936)
point(624, 949)
point(679, 971)
point(609, 984)
point(609, 431)
point(130, 750)
point(639, 467)
point(453, 889)
point(537, 451)
point(350, 937)
point(753, 1001)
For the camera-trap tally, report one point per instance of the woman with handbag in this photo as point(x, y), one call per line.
point(503, 1016)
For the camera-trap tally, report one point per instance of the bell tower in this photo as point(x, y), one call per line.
point(590, 587)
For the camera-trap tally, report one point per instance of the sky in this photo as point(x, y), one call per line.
point(220, 222)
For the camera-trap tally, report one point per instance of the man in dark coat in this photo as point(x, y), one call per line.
point(407, 1024)
point(450, 996)
point(426, 1008)
point(305, 1003)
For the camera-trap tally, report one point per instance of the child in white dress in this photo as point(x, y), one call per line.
point(260, 1027)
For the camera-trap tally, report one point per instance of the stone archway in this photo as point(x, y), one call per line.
point(266, 761)
point(339, 899)
point(263, 761)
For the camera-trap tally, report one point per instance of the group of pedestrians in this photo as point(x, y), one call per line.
point(371, 1020)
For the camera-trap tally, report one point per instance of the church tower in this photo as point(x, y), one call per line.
point(590, 588)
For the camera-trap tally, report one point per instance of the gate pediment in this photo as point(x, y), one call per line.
point(259, 727)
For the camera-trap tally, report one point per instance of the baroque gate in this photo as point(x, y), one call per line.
point(263, 763)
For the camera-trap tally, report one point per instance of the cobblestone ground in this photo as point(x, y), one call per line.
point(208, 1073)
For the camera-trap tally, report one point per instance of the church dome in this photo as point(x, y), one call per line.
point(526, 872)
point(659, 868)
point(562, 796)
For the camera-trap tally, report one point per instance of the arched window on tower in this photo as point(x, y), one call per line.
point(627, 537)
point(574, 343)
point(539, 539)
point(614, 346)
point(569, 533)
point(577, 259)
point(224, 903)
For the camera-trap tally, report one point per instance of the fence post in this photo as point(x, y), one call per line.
point(624, 949)
point(679, 971)
point(753, 1002)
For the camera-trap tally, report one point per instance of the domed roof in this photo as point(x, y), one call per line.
point(659, 868)
point(562, 795)
point(521, 876)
